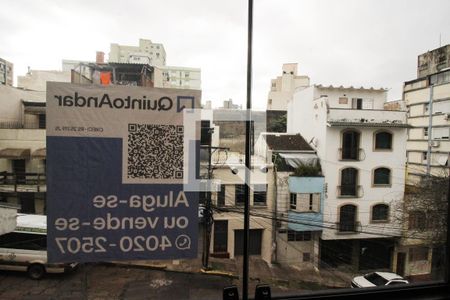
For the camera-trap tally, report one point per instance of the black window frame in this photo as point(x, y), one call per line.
point(383, 145)
point(380, 179)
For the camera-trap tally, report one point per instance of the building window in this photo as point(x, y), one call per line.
point(357, 103)
point(383, 141)
point(239, 194)
point(260, 194)
point(417, 220)
point(418, 253)
point(382, 176)
point(425, 132)
point(426, 108)
point(350, 145)
point(347, 218)
point(343, 100)
point(293, 201)
point(424, 156)
point(186, 75)
point(298, 236)
point(221, 196)
point(305, 202)
point(349, 180)
point(42, 121)
point(380, 212)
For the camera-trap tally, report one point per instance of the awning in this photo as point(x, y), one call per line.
point(297, 159)
point(39, 153)
point(15, 153)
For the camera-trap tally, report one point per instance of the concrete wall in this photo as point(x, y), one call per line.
point(36, 80)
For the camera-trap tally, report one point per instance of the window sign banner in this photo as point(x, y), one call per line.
point(115, 170)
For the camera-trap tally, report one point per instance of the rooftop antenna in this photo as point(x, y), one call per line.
point(440, 40)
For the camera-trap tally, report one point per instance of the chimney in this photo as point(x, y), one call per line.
point(100, 57)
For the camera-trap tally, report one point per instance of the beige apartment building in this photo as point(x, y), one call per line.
point(146, 52)
point(428, 102)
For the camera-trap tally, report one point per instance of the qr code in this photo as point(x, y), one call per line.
point(155, 151)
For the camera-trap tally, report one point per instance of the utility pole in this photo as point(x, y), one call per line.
point(208, 216)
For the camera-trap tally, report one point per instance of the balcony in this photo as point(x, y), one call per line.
point(22, 182)
point(350, 191)
point(372, 118)
point(351, 154)
point(348, 227)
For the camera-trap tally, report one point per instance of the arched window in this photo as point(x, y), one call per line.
point(383, 140)
point(349, 181)
point(347, 218)
point(382, 176)
point(350, 145)
point(380, 212)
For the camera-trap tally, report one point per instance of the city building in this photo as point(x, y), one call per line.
point(281, 90)
point(283, 87)
point(228, 104)
point(22, 149)
point(6, 72)
point(228, 203)
point(298, 208)
point(428, 103)
point(147, 53)
point(427, 100)
point(178, 77)
point(361, 148)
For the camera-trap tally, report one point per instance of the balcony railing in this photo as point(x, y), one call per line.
point(22, 182)
point(348, 227)
point(21, 125)
point(350, 191)
point(355, 154)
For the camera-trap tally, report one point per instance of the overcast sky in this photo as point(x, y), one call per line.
point(359, 43)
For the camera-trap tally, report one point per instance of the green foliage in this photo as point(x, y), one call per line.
point(308, 170)
point(278, 124)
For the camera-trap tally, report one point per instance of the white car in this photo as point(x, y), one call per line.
point(378, 279)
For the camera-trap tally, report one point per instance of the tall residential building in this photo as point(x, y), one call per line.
point(428, 102)
point(146, 53)
point(362, 149)
point(283, 87)
point(6, 72)
point(178, 77)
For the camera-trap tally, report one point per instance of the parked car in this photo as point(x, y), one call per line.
point(25, 249)
point(377, 279)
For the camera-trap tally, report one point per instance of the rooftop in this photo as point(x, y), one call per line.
point(287, 142)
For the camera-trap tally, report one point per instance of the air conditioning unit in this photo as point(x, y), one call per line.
point(435, 143)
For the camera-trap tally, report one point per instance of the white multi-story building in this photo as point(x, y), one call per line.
point(362, 149)
point(282, 88)
point(177, 77)
point(146, 53)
